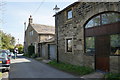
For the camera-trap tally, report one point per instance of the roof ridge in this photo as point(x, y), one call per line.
point(42, 25)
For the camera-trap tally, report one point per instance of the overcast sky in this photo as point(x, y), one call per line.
point(16, 12)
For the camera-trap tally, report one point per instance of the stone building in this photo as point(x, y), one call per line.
point(88, 34)
point(36, 33)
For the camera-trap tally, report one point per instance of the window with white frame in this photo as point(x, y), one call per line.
point(31, 33)
point(69, 14)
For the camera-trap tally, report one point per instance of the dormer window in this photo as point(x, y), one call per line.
point(69, 14)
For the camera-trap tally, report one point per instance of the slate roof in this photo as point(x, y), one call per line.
point(43, 29)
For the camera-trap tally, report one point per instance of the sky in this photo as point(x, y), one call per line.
point(15, 12)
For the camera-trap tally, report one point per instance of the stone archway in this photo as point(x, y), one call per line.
point(86, 10)
point(95, 9)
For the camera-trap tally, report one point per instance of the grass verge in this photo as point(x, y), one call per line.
point(77, 70)
point(112, 76)
point(0, 74)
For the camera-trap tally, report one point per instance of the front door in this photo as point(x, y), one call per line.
point(102, 50)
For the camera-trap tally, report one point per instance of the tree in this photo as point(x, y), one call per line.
point(6, 41)
point(20, 48)
point(12, 41)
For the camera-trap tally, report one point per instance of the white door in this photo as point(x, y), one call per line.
point(52, 51)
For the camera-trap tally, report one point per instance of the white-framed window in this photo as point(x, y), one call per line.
point(31, 33)
point(69, 14)
point(69, 45)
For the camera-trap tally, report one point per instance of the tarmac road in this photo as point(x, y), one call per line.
point(23, 67)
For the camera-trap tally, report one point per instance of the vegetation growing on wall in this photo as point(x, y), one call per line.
point(31, 50)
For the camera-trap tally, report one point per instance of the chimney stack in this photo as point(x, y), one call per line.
point(30, 20)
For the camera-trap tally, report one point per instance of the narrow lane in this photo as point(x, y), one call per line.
point(28, 68)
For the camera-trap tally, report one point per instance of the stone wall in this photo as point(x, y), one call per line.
point(74, 27)
point(31, 39)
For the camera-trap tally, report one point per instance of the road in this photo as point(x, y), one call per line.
point(23, 67)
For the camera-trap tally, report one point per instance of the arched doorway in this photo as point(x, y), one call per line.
point(102, 38)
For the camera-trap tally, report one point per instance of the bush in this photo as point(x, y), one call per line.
point(20, 49)
point(34, 55)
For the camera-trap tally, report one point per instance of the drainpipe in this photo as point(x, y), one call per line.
point(56, 9)
point(57, 38)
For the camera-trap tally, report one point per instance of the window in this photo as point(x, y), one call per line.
point(105, 18)
point(110, 18)
point(115, 44)
point(69, 44)
point(96, 21)
point(89, 24)
point(31, 33)
point(90, 45)
point(93, 22)
point(69, 14)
